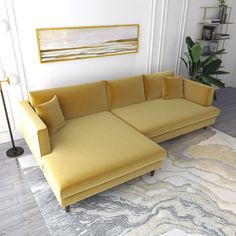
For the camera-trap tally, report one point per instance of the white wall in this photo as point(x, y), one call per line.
point(12, 95)
point(67, 13)
point(168, 33)
point(163, 27)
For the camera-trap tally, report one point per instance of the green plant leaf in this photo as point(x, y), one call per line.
point(204, 82)
point(211, 67)
point(189, 41)
point(198, 67)
point(212, 57)
point(190, 63)
point(197, 79)
point(196, 52)
point(214, 81)
point(202, 71)
point(185, 62)
point(220, 72)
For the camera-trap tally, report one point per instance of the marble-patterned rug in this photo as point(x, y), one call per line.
point(193, 193)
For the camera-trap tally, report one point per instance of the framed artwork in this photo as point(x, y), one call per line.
point(72, 43)
point(207, 33)
point(208, 47)
point(206, 50)
point(213, 46)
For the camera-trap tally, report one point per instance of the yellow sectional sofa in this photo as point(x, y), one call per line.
point(111, 132)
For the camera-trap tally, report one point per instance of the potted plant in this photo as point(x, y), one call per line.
point(221, 3)
point(203, 71)
point(222, 11)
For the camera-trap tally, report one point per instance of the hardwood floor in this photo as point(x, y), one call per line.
point(226, 101)
point(19, 213)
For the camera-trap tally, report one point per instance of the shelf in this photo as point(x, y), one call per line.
point(216, 24)
point(213, 7)
point(223, 53)
point(213, 40)
point(209, 7)
point(215, 27)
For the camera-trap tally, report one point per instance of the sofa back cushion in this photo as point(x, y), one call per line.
point(127, 91)
point(76, 100)
point(153, 84)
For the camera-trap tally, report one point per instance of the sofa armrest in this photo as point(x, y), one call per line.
point(198, 93)
point(35, 131)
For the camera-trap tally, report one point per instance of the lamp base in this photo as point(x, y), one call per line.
point(15, 152)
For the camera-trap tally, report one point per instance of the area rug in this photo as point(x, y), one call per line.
point(193, 193)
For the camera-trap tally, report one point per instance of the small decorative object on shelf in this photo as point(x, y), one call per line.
point(208, 32)
point(219, 36)
point(222, 12)
point(210, 21)
point(213, 46)
point(221, 3)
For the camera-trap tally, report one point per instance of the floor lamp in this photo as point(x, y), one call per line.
point(14, 151)
point(13, 80)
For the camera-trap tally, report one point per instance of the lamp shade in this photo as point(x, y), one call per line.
point(13, 80)
point(4, 26)
point(2, 74)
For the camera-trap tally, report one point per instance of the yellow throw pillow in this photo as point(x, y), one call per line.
point(51, 114)
point(172, 87)
point(153, 84)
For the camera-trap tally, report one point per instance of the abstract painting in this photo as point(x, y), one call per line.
point(59, 44)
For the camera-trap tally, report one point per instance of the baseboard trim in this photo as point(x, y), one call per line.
point(5, 137)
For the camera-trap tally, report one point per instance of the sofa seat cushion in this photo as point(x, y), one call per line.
point(94, 149)
point(159, 116)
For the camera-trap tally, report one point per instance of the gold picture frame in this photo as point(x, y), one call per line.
point(75, 43)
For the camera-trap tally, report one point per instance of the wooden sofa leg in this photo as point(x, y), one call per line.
point(205, 128)
point(67, 209)
point(152, 172)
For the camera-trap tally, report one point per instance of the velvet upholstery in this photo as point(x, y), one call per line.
point(153, 84)
point(98, 139)
point(198, 93)
point(172, 87)
point(75, 100)
point(51, 114)
point(100, 148)
point(126, 91)
point(161, 116)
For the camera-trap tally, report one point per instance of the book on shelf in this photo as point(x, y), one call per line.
point(223, 14)
point(210, 21)
point(218, 36)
